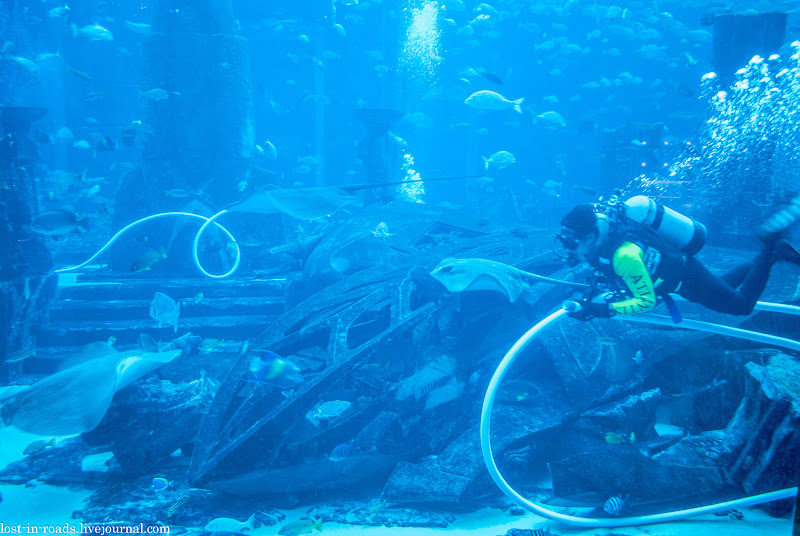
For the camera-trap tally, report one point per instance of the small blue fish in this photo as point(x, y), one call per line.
point(160, 484)
point(616, 504)
point(341, 452)
point(273, 369)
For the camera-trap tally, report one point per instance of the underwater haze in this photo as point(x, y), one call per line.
point(512, 268)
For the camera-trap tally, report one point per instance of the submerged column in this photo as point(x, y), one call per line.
point(198, 121)
point(27, 286)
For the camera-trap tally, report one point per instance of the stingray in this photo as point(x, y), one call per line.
point(310, 203)
point(465, 275)
point(74, 400)
point(300, 203)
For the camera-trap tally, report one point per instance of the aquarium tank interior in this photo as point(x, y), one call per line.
point(400, 267)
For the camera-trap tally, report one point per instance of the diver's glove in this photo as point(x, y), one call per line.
point(589, 310)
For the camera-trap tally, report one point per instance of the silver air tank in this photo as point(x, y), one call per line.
point(680, 231)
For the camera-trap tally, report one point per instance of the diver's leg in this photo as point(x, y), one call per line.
point(735, 277)
point(703, 287)
point(784, 251)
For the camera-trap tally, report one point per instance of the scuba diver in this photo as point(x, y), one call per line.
point(641, 250)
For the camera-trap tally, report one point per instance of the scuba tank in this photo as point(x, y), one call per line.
point(679, 231)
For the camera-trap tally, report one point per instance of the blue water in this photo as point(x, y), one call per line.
point(187, 106)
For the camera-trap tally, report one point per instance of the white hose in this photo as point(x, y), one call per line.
point(718, 329)
point(762, 306)
point(589, 522)
point(778, 308)
point(207, 221)
point(197, 241)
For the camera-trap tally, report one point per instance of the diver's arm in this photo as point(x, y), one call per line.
point(628, 263)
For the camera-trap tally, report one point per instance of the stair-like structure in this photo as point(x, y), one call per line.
point(95, 307)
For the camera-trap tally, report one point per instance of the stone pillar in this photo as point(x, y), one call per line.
point(198, 133)
point(27, 286)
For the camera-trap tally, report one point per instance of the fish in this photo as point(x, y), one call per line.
point(616, 505)
point(28, 65)
point(82, 144)
point(585, 189)
point(92, 32)
point(491, 77)
point(22, 355)
point(174, 507)
point(48, 56)
point(499, 160)
point(74, 400)
point(489, 100)
point(94, 95)
point(160, 484)
point(638, 357)
point(273, 369)
point(148, 343)
point(733, 514)
point(308, 203)
point(270, 151)
point(225, 525)
point(146, 261)
point(64, 135)
point(551, 185)
point(300, 203)
point(613, 438)
point(209, 345)
point(165, 309)
point(106, 144)
point(606, 341)
point(58, 222)
point(341, 451)
point(485, 9)
point(38, 446)
point(301, 526)
point(551, 120)
point(138, 27)
point(179, 193)
point(59, 12)
point(155, 94)
point(79, 74)
point(465, 275)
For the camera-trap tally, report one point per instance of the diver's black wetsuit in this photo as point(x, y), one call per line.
point(734, 293)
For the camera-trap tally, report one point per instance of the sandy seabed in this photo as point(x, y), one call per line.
point(48, 507)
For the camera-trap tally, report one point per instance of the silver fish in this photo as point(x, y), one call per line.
point(164, 309)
